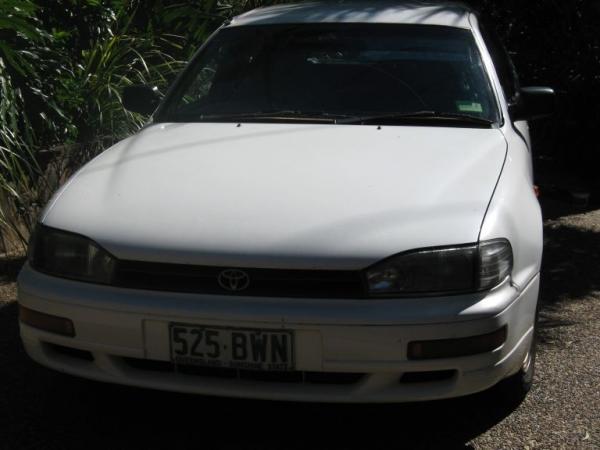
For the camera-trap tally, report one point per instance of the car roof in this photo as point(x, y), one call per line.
point(420, 13)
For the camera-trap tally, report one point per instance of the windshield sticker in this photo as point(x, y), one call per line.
point(469, 107)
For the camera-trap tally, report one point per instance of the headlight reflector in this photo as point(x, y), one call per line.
point(69, 255)
point(446, 270)
point(495, 262)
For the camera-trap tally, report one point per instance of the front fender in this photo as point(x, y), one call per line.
point(514, 212)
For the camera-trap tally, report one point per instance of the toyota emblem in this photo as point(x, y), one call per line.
point(233, 280)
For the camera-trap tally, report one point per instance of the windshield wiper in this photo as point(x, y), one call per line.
point(417, 116)
point(285, 115)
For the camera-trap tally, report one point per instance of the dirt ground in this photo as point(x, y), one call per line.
point(41, 409)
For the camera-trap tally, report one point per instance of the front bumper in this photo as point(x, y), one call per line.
point(370, 337)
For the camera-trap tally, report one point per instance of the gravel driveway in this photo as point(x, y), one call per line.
point(43, 409)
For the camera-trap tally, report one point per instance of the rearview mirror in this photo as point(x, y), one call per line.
point(535, 103)
point(141, 99)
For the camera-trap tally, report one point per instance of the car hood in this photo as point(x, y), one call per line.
point(307, 196)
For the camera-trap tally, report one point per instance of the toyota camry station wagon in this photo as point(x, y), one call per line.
point(333, 202)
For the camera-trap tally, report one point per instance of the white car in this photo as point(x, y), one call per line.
point(333, 202)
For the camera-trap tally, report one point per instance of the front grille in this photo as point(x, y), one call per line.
point(263, 282)
point(297, 377)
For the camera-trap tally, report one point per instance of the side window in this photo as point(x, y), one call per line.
point(503, 64)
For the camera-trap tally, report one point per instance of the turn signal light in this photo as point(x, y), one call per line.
point(454, 348)
point(46, 322)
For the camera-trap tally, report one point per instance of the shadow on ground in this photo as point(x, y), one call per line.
point(44, 409)
point(571, 263)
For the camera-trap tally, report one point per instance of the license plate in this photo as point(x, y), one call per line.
point(237, 348)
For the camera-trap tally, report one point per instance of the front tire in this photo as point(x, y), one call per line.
point(517, 386)
point(520, 383)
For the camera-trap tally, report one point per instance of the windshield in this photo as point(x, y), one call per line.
point(316, 71)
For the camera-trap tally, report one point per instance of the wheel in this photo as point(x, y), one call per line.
point(518, 385)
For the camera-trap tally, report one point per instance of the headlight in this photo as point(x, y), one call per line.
point(447, 270)
point(69, 255)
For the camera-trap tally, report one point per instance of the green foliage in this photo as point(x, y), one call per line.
point(19, 37)
point(18, 24)
point(63, 86)
point(104, 70)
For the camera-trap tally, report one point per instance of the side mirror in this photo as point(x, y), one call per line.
point(534, 103)
point(141, 99)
